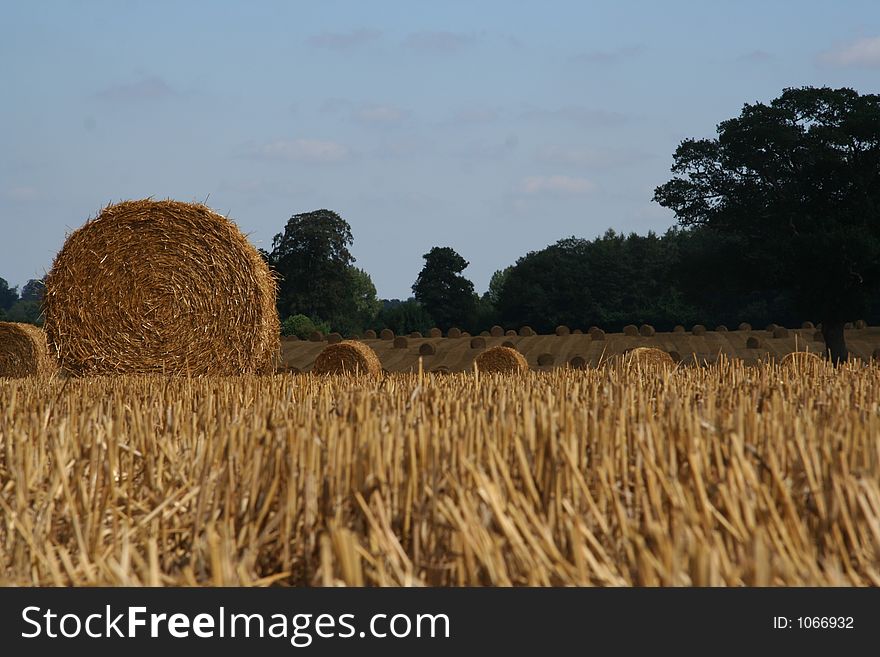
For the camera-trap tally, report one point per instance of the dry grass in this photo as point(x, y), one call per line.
point(24, 351)
point(161, 287)
point(723, 475)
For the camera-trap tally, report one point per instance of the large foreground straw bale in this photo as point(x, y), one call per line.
point(23, 351)
point(347, 357)
point(502, 359)
point(161, 286)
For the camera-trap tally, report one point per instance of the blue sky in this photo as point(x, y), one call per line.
point(492, 127)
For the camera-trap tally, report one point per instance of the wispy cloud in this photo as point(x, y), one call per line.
point(20, 193)
point(557, 185)
point(756, 57)
point(863, 52)
point(303, 150)
point(487, 149)
point(577, 114)
point(439, 42)
point(473, 115)
point(147, 88)
point(600, 57)
point(380, 114)
point(344, 40)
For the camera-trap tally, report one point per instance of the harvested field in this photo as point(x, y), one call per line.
point(723, 475)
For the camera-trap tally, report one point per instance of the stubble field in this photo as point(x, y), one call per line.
point(619, 475)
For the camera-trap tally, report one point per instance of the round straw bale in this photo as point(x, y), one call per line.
point(427, 349)
point(678, 328)
point(496, 331)
point(721, 328)
point(861, 324)
point(485, 334)
point(502, 359)
point(646, 330)
point(818, 337)
point(415, 335)
point(334, 338)
point(752, 343)
point(808, 325)
point(647, 356)
point(441, 369)
point(509, 343)
point(478, 343)
point(370, 334)
point(400, 342)
point(545, 360)
point(453, 332)
point(435, 333)
point(347, 357)
point(631, 329)
point(744, 326)
point(577, 363)
point(161, 286)
point(465, 334)
point(771, 327)
point(597, 334)
point(386, 334)
point(801, 359)
point(316, 336)
point(780, 332)
point(526, 331)
point(562, 329)
point(675, 356)
point(24, 351)
point(698, 329)
point(848, 326)
point(289, 338)
point(577, 332)
point(510, 333)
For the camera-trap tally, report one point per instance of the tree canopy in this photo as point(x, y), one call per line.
point(440, 288)
point(795, 187)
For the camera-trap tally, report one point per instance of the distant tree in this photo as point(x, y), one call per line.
point(302, 326)
point(8, 295)
point(363, 305)
point(446, 295)
point(313, 262)
point(33, 290)
point(796, 185)
point(496, 285)
point(26, 312)
point(403, 317)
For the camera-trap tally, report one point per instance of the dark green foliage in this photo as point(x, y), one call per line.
point(33, 290)
point(442, 290)
point(8, 295)
point(404, 317)
point(26, 312)
point(302, 326)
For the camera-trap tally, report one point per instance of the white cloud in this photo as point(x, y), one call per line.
point(304, 150)
point(557, 185)
point(149, 88)
point(344, 40)
point(861, 52)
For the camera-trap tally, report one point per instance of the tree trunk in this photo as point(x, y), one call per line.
point(835, 343)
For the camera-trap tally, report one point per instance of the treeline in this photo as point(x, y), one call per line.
point(24, 306)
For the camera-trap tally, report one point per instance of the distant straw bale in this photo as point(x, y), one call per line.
point(597, 334)
point(818, 337)
point(496, 331)
point(435, 333)
point(526, 331)
point(780, 332)
point(347, 357)
point(562, 329)
point(465, 334)
point(386, 334)
point(400, 342)
point(875, 355)
point(334, 338)
point(161, 286)
point(545, 360)
point(744, 326)
point(442, 370)
point(510, 333)
point(771, 327)
point(502, 359)
point(646, 330)
point(478, 343)
point(849, 326)
point(509, 343)
point(675, 356)
point(721, 328)
point(485, 334)
point(698, 329)
point(24, 351)
point(752, 343)
point(316, 336)
point(427, 349)
point(631, 329)
point(808, 325)
point(647, 356)
point(678, 328)
point(861, 324)
point(453, 332)
point(370, 334)
point(415, 335)
point(577, 332)
point(577, 363)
